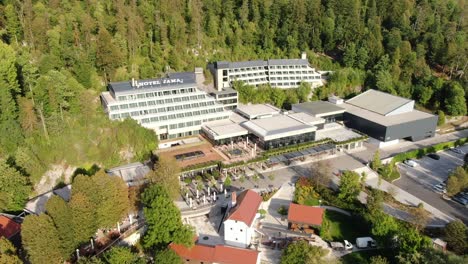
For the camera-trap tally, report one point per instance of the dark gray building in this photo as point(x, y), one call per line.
point(388, 118)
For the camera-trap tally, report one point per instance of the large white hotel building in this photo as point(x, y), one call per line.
point(280, 73)
point(172, 106)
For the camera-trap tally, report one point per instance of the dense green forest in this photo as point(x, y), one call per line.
point(57, 55)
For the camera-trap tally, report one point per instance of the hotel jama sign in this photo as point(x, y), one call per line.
point(158, 82)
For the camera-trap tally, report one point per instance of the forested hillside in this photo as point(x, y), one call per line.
point(56, 56)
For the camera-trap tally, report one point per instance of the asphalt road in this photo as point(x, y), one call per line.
point(429, 172)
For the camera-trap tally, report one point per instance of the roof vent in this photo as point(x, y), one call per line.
point(335, 100)
point(233, 199)
point(304, 55)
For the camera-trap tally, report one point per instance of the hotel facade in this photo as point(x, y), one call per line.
point(282, 73)
point(171, 106)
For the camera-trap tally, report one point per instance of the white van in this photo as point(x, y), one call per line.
point(411, 163)
point(365, 242)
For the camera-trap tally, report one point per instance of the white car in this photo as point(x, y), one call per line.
point(347, 245)
point(411, 163)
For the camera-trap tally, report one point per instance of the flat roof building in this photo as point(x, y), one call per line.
point(224, 131)
point(172, 106)
point(279, 131)
point(388, 118)
point(255, 111)
point(281, 73)
point(329, 111)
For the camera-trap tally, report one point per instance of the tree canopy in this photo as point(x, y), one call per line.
point(350, 186)
point(302, 253)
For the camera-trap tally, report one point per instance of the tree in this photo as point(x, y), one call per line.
point(108, 56)
point(166, 173)
point(410, 242)
point(455, 103)
point(320, 173)
point(167, 256)
point(14, 188)
point(440, 118)
point(349, 57)
point(376, 163)
point(350, 186)
point(163, 220)
point(456, 236)
point(303, 92)
point(457, 181)
point(121, 255)
point(41, 239)
point(84, 222)
point(8, 252)
point(61, 216)
point(227, 181)
point(302, 253)
point(419, 216)
point(378, 260)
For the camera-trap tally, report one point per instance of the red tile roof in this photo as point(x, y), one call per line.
point(305, 214)
point(216, 254)
point(8, 227)
point(246, 207)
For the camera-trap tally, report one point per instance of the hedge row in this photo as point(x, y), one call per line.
point(419, 153)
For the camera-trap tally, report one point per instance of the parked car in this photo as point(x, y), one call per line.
point(457, 150)
point(433, 156)
point(438, 189)
point(411, 163)
point(460, 200)
point(347, 245)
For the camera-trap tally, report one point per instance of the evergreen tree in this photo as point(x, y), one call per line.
point(350, 186)
point(14, 188)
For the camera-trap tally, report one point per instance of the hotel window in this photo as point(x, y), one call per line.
point(195, 105)
point(196, 112)
point(204, 112)
point(167, 93)
point(124, 115)
point(160, 101)
point(187, 114)
point(145, 120)
point(185, 98)
point(155, 119)
point(180, 115)
point(122, 98)
point(178, 107)
point(115, 116)
point(136, 113)
point(212, 110)
point(162, 110)
point(193, 97)
point(181, 125)
point(124, 106)
point(151, 102)
point(171, 116)
point(177, 99)
point(140, 96)
point(201, 96)
point(168, 101)
point(170, 108)
point(114, 107)
point(142, 104)
point(174, 91)
point(163, 118)
point(189, 123)
point(133, 105)
point(198, 122)
point(149, 95)
point(182, 90)
point(187, 106)
point(173, 126)
point(203, 104)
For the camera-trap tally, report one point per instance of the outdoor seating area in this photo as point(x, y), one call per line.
point(301, 155)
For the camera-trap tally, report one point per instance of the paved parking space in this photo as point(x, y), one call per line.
point(429, 172)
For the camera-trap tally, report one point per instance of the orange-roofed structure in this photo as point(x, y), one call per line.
point(302, 217)
point(8, 227)
point(216, 254)
point(238, 223)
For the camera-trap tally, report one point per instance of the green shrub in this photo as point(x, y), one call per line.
point(283, 210)
point(419, 153)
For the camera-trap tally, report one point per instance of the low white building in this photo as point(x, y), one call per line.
point(239, 222)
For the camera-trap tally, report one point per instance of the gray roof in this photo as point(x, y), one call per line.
point(386, 120)
point(254, 110)
point(378, 102)
point(288, 62)
point(173, 80)
point(259, 63)
point(131, 173)
point(318, 107)
point(37, 204)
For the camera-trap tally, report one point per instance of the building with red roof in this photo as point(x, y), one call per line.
point(239, 221)
point(8, 227)
point(221, 254)
point(303, 217)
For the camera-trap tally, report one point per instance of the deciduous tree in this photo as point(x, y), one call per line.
point(8, 252)
point(302, 253)
point(166, 173)
point(456, 236)
point(350, 186)
point(14, 187)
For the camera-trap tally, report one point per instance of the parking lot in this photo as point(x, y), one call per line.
point(420, 180)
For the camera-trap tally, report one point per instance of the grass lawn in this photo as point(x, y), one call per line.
point(345, 227)
point(363, 257)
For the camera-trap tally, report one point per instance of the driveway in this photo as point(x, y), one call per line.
point(420, 180)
